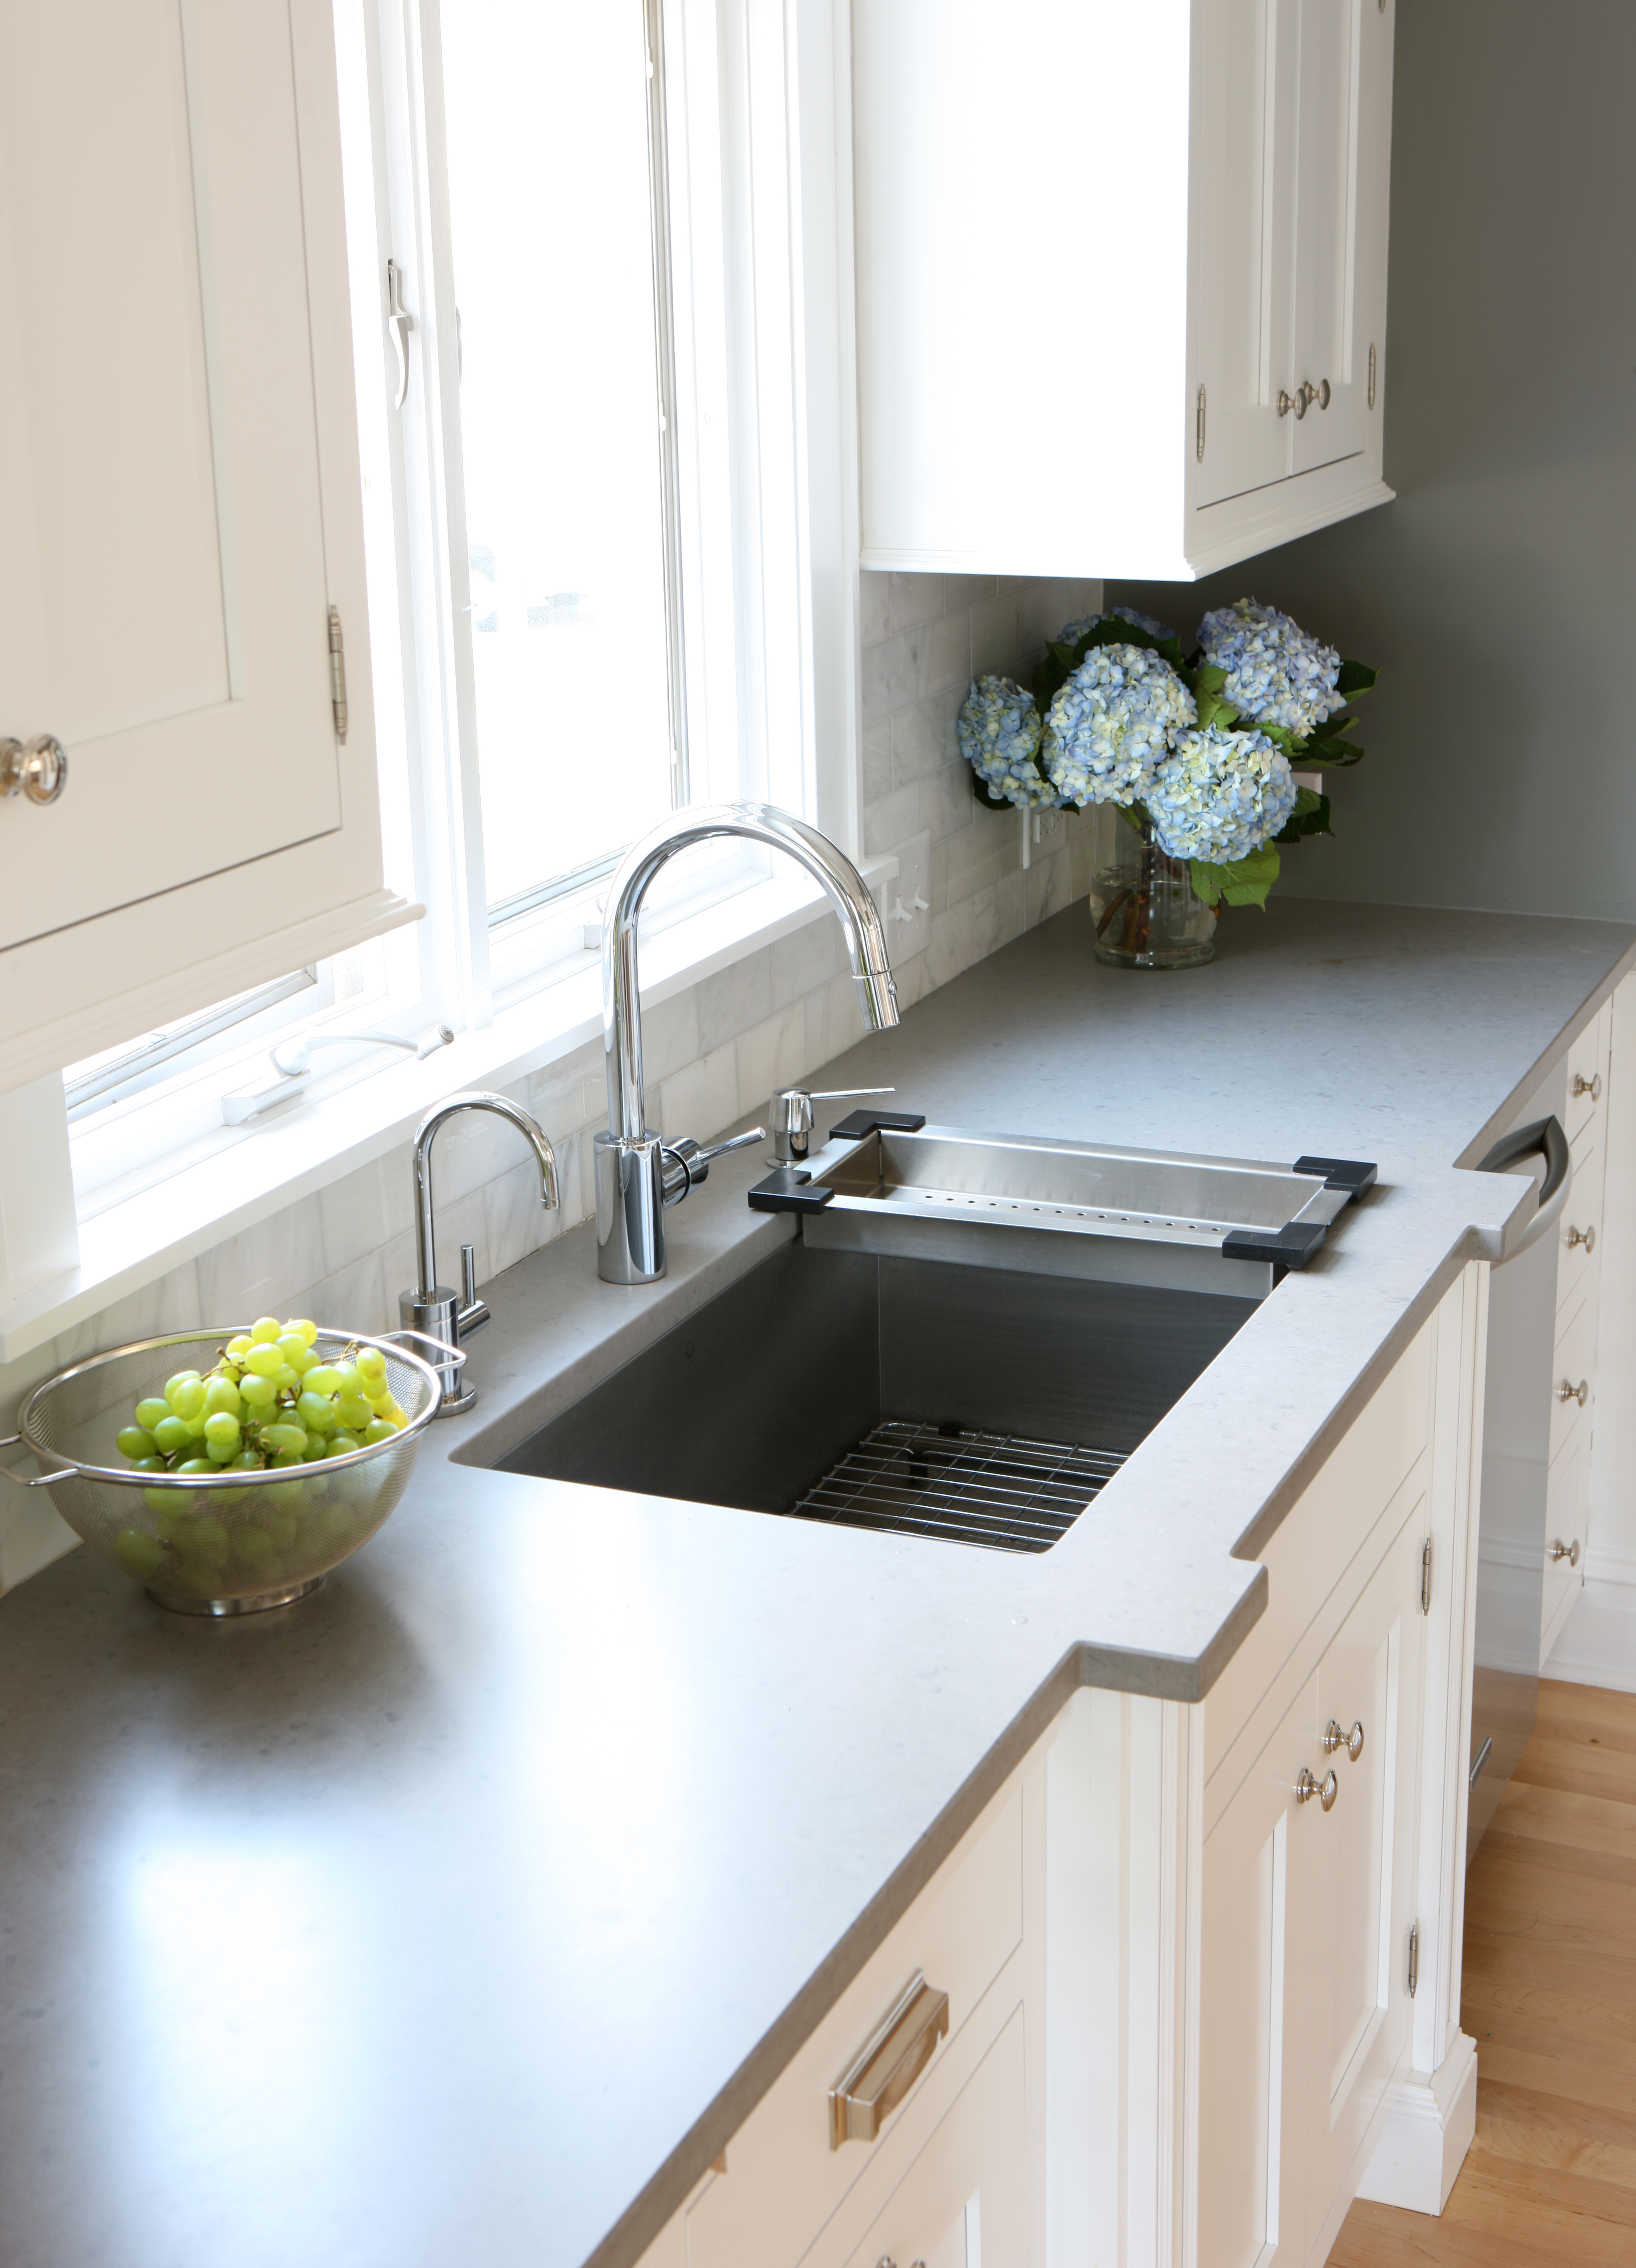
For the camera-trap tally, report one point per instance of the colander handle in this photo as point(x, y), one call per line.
point(455, 1355)
point(18, 1480)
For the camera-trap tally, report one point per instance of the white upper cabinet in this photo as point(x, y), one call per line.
point(180, 493)
point(1121, 278)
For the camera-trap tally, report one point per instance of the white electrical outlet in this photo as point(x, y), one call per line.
point(1048, 829)
point(908, 899)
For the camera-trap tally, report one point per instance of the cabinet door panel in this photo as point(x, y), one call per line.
point(1245, 208)
point(163, 588)
point(1334, 255)
point(965, 2198)
point(1363, 1862)
point(1252, 2026)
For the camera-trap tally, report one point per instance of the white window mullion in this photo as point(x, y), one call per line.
point(434, 575)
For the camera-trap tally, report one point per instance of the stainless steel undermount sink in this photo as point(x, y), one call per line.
point(966, 1339)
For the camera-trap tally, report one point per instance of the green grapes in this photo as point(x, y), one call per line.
point(268, 1403)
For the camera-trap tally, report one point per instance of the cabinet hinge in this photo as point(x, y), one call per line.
point(1426, 1577)
point(1414, 1960)
point(338, 674)
point(1371, 378)
point(1199, 438)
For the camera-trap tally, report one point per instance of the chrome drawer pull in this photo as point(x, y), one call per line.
point(1568, 1392)
point(1591, 1087)
point(1568, 1551)
point(888, 2064)
point(1326, 1789)
point(1585, 1236)
point(1334, 1738)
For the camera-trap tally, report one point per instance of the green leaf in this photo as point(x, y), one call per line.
point(1310, 816)
point(1134, 814)
point(1356, 677)
point(1214, 708)
point(1326, 755)
point(1281, 737)
point(1244, 882)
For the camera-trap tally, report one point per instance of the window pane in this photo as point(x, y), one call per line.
point(547, 104)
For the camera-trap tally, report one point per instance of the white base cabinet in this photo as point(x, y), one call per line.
point(1200, 1991)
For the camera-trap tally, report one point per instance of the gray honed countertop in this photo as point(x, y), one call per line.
point(461, 1912)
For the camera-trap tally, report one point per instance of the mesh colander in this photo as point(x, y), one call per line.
point(201, 1544)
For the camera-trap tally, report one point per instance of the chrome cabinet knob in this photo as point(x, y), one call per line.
point(1585, 1236)
point(1568, 1392)
point(1305, 394)
point(37, 770)
point(1326, 1789)
point(1568, 1551)
point(1591, 1087)
point(1334, 1738)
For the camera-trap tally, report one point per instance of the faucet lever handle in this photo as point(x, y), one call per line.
point(473, 1312)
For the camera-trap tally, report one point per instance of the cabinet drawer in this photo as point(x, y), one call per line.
point(965, 2197)
point(1579, 1230)
point(783, 2180)
point(1574, 1366)
point(1588, 1075)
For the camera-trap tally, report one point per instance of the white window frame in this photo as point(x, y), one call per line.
point(757, 129)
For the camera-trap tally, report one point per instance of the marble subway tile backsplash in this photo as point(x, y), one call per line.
point(713, 1054)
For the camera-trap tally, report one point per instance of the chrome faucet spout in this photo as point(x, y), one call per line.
point(630, 1165)
point(432, 1306)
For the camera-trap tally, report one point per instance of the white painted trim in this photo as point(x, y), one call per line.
point(259, 1169)
point(1429, 2129)
point(185, 979)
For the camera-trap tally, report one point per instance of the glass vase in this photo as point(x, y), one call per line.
point(1144, 912)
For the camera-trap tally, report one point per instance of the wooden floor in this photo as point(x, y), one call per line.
point(1550, 1998)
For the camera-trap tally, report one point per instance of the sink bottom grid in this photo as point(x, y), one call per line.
point(1000, 1490)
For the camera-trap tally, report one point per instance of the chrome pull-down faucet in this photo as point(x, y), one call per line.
point(433, 1307)
point(635, 1179)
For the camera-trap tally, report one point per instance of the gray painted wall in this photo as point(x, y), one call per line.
point(1496, 592)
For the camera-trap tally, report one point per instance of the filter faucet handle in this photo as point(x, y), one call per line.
point(791, 1111)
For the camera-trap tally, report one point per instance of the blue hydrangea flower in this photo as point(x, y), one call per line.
point(1110, 725)
point(998, 731)
point(1075, 631)
point(1219, 794)
point(1276, 673)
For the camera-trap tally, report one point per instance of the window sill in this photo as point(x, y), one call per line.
point(303, 1149)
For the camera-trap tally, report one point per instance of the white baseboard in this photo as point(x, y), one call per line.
point(1597, 1645)
point(1424, 2140)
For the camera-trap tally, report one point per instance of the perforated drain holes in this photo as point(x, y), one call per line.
point(1001, 1489)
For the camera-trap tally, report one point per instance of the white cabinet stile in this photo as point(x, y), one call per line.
point(1147, 346)
point(179, 486)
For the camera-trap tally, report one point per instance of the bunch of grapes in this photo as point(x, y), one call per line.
point(267, 1401)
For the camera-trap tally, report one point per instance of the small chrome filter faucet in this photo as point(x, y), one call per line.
point(433, 1307)
point(638, 1175)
